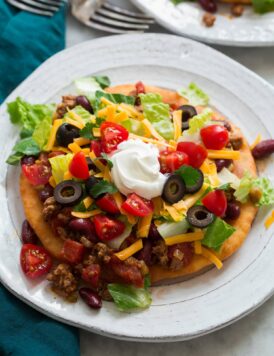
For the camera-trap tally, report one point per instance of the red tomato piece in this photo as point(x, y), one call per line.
point(196, 153)
point(112, 134)
point(91, 274)
point(78, 166)
point(170, 161)
point(107, 228)
point(215, 137)
point(216, 202)
point(108, 204)
point(37, 173)
point(35, 260)
point(140, 88)
point(73, 251)
point(96, 147)
point(137, 206)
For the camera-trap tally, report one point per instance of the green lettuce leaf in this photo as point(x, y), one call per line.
point(158, 114)
point(173, 228)
point(134, 126)
point(14, 158)
point(128, 298)
point(242, 191)
point(60, 165)
point(267, 190)
point(103, 81)
point(42, 131)
point(263, 6)
point(199, 121)
point(28, 116)
point(87, 86)
point(195, 95)
point(102, 187)
point(216, 234)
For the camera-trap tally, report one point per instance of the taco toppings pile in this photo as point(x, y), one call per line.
point(130, 185)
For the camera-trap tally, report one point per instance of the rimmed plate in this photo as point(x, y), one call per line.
point(184, 310)
point(249, 30)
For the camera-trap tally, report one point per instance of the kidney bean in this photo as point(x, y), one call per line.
point(222, 163)
point(91, 298)
point(28, 236)
point(84, 226)
point(208, 5)
point(28, 160)
point(232, 211)
point(263, 149)
point(83, 101)
point(146, 252)
point(153, 232)
point(46, 193)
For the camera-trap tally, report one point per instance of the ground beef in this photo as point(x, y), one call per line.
point(86, 242)
point(236, 140)
point(102, 252)
point(50, 208)
point(180, 255)
point(132, 261)
point(160, 253)
point(209, 19)
point(63, 281)
point(68, 102)
point(104, 293)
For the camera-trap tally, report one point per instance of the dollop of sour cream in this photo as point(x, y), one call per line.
point(136, 169)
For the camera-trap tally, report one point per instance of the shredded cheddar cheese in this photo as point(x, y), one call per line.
point(74, 147)
point(52, 182)
point(269, 221)
point(152, 130)
point(184, 205)
point(208, 254)
point(158, 204)
point(76, 117)
point(131, 250)
point(86, 151)
point(189, 237)
point(150, 140)
point(177, 122)
point(56, 124)
point(173, 212)
point(144, 225)
point(258, 139)
point(68, 175)
point(210, 170)
point(60, 148)
point(81, 141)
point(197, 247)
point(87, 202)
point(223, 154)
point(75, 123)
point(96, 161)
point(86, 214)
point(96, 132)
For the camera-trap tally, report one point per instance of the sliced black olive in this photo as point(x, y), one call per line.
point(188, 112)
point(174, 189)
point(195, 187)
point(199, 216)
point(66, 134)
point(185, 125)
point(68, 192)
point(90, 183)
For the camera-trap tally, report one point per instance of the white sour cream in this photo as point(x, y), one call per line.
point(136, 169)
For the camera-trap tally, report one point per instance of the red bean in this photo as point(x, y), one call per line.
point(91, 298)
point(233, 211)
point(28, 236)
point(46, 193)
point(208, 5)
point(84, 102)
point(84, 226)
point(263, 149)
point(153, 232)
point(146, 252)
point(222, 163)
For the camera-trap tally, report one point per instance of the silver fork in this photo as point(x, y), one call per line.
point(104, 16)
point(40, 7)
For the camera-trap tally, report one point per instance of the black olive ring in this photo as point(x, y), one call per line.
point(68, 192)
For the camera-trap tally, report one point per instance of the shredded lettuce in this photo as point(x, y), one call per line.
point(195, 95)
point(134, 126)
point(216, 234)
point(117, 241)
point(248, 182)
point(263, 6)
point(114, 98)
point(42, 131)
point(227, 177)
point(158, 114)
point(129, 298)
point(84, 114)
point(87, 86)
point(173, 228)
point(60, 165)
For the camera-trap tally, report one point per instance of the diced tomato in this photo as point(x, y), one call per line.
point(112, 134)
point(35, 260)
point(216, 202)
point(91, 274)
point(196, 153)
point(170, 161)
point(215, 137)
point(56, 153)
point(72, 251)
point(107, 228)
point(108, 204)
point(140, 88)
point(130, 274)
point(96, 147)
point(137, 206)
point(78, 166)
point(37, 173)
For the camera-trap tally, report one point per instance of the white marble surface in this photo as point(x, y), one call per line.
point(252, 335)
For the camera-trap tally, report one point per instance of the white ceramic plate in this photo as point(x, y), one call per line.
point(183, 310)
point(250, 30)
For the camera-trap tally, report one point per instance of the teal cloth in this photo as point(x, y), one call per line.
point(26, 40)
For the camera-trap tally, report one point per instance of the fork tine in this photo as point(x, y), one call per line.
point(52, 2)
point(118, 10)
point(126, 18)
point(24, 7)
point(38, 5)
point(99, 26)
point(121, 24)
